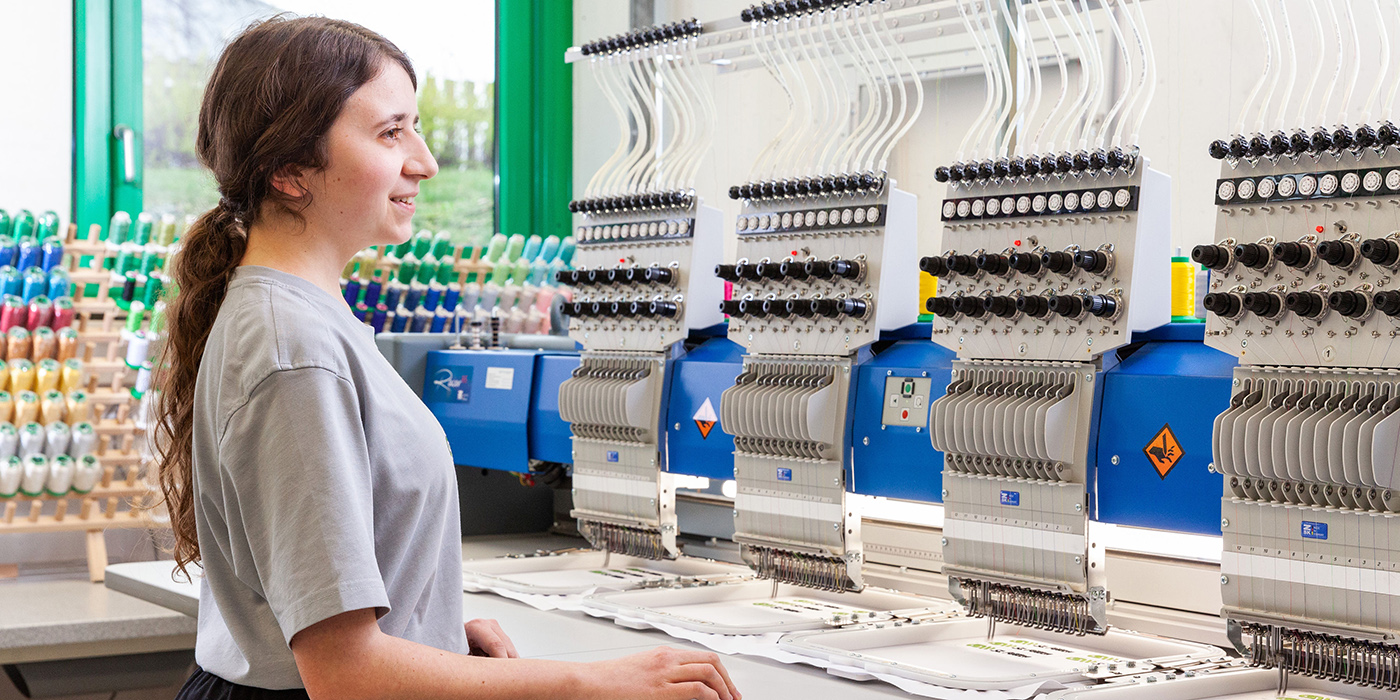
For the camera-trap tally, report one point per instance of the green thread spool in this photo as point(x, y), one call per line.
point(145, 223)
point(422, 244)
point(135, 316)
point(442, 244)
point(47, 225)
point(24, 225)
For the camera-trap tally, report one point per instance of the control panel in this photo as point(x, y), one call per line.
point(906, 401)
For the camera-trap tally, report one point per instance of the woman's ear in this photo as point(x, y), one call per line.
point(289, 181)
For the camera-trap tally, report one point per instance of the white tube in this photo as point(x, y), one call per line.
point(1355, 63)
point(1290, 52)
point(1302, 120)
point(1276, 53)
point(990, 86)
point(1113, 113)
point(1385, 64)
point(1150, 77)
point(1263, 75)
point(1064, 74)
point(1336, 70)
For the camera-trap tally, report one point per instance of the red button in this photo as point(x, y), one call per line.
point(904, 414)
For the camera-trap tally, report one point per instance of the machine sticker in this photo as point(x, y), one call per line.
point(452, 387)
point(500, 378)
point(784, 474)
point(1314, 531)
point(1011, 498)
point(705, 419)
point(612, 456)
point(1164, 451)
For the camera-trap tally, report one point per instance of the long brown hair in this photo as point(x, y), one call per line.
point(273, 96)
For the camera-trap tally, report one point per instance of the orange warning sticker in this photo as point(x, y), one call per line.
point(1163, 451)
point(705, 419)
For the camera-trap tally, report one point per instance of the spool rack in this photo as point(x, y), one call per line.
point(125, 492)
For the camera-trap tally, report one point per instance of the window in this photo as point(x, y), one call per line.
point(452, 45)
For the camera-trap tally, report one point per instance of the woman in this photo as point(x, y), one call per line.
point(309, 482)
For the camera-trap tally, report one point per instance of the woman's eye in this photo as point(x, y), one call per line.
point(394, 132)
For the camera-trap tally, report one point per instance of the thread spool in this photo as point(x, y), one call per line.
point(138, 349)
point(7, 407)
point(83, 440)
point(60, 284)
point(45, 344)
point(13, 312)
point(32, 440)
point(441, 318)
point(52, 253)
point(18, 344)
point(52, 407)
point(67, 344)
point(60, 480)
point(79, 407)
point(46, 376)
point(36, 475)
point(31, 254)
point(36, 282)
point(11, 280)
point(56, 437)
point(23, 374)
point(9, 441)
point(11, 473)
point(9, 250)
point(87, 472)
point(40, 313)
point(26, 407)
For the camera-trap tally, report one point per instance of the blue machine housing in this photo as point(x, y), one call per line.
point(1169, 379)
point(1172, 380)
point(702, 375)
point(897, 461)
point(500, 408)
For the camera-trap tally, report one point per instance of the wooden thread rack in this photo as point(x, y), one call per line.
point(124, 494)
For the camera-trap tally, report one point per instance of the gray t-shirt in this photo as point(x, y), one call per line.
point(322, 485)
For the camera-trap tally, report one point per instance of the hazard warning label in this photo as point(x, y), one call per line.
point(1163, 451)
point(705, 419)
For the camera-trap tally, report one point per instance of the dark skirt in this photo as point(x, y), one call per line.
point(207, 686)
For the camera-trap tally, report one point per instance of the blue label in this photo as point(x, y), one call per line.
point(612, 456)
point(784, 474)
point(1314, 531)
point(1011, 498)
point(452, 386)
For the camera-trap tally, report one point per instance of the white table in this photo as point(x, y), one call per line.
point(565, 636)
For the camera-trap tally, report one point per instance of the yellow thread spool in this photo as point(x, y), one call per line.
point(7, 407)
point(26, 407)
point(22, 375)
point(47, 376)
point(52, 407)
point(71, 379)
point(1183, 290)
point(79, 410)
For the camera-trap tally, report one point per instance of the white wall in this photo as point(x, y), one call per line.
point(1208, 54)
point(36, 125)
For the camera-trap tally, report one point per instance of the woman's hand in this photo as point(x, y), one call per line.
point(486, 638)
point(663, 673)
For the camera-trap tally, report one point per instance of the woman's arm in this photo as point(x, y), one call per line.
point(347, 657)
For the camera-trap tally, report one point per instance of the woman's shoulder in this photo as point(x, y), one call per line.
point(265, 326)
